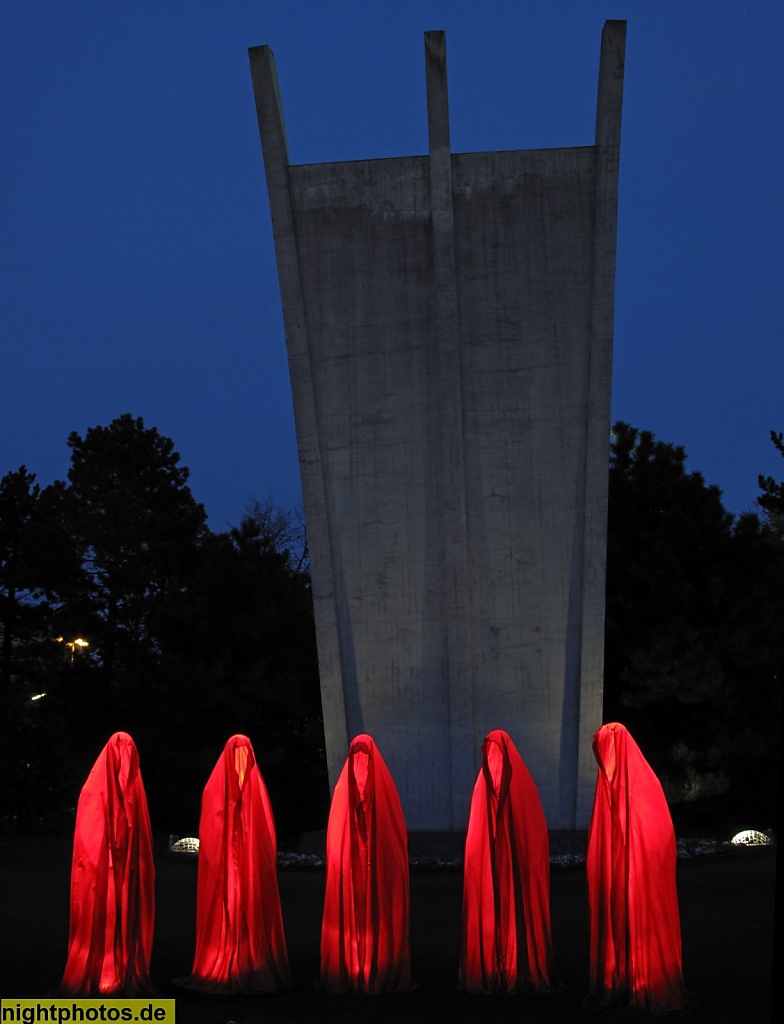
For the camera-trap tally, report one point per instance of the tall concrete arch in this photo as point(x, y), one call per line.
point(449, 323)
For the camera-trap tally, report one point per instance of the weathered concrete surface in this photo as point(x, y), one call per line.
point(449, 326)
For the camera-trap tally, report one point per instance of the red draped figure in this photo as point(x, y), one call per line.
point(365, 927)
point(112, 880)
point(635, 924)
point(240, 945)
point(506, 882)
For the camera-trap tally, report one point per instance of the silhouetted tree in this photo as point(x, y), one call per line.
point(752, 648)
point(771, 501)
point(20, 592)
point(689, 638)
point(192, 635)
point(39, 567)
point(137, 528)
point(91, 559)
point(284, 528)
point(242, 658)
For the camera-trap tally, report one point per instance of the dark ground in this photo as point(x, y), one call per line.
point(727, 918)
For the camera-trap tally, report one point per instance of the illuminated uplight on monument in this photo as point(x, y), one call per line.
point(751, 837)
point(188, 845)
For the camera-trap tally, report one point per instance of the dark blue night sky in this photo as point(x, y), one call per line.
point(138, 269)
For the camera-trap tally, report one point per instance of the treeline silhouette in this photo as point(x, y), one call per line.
point(192, 636)
point(694, 640)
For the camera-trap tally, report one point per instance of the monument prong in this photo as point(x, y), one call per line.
point(274, 146)
point(452, 483)
point(597, 423)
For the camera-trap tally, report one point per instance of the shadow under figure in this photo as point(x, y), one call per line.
point(636, 960)
point(365, 939)
point(240, 944)
point(112, 881)
point(506, 882)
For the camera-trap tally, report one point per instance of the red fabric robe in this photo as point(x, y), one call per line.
point(635, 924)
point(240, 945)
point(112, 880)
point(506, 881)
point(365, 928)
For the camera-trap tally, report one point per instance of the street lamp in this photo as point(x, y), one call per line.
point(73, 645)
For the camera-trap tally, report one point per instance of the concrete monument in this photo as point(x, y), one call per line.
point(449, 328)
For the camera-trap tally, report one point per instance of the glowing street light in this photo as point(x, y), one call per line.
point(73, 645)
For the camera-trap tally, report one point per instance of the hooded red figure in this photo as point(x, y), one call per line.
point(506, 882)
point(365, 928)
point(635, 924)
point(240, 945)
point(112, 880)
